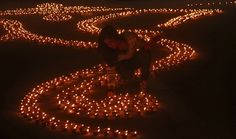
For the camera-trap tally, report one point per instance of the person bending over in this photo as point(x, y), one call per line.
point(126, 53)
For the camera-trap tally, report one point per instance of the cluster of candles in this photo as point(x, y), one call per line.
point(30, 109)
point(73, 91)
point(75, 99)
point(91, 24)
point(53, 12)
point(57, 12)
point(220, 3)
point(15, 30)
point(189, 16)
point(180, 52)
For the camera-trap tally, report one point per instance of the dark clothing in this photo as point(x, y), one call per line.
point(127, 66)
point(109, 55)
point(141, 60)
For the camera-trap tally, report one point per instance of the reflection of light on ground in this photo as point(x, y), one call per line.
point(73, 90)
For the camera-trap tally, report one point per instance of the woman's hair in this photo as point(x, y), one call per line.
point(108, 54)
point(108, 32)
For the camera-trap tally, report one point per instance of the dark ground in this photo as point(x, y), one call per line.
point(196, 97)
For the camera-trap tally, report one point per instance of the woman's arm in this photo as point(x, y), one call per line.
point(128, 54)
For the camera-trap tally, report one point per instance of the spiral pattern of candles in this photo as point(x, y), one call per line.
point(72, 92)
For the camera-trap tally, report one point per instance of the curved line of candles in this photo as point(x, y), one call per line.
point(73, 90)
point(57, 12)
point(114, 106)
point(91, 25)
point(15, 31)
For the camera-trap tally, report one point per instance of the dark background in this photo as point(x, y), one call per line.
point(197, 97)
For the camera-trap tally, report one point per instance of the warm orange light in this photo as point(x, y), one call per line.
point(74, 90)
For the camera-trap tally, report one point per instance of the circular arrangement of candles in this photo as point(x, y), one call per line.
point(75, 99)
point(73, 92)
point(31, 110)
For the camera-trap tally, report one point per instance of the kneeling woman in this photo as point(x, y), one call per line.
point(125, 52)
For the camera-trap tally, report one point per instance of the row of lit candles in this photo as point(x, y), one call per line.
point(75, 99)
point(91, 24)
point(189, 16)
point(31, 110)
point(14, 30)
point(76, 95)
point(179, 53)
point(57, 12)
point(220, 3)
